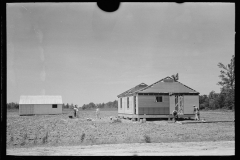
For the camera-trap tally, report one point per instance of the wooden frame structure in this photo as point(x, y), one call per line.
point(158, 100)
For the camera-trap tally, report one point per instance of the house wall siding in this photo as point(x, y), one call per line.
point(150, 101)
point(128, 110)
point(148, 105)
point(120, 110)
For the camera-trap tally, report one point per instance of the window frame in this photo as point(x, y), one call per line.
point(156, 99)
point(54, 106)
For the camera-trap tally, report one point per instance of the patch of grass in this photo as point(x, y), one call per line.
point(11, 139)
point(147, 139)
point(45, 138)
point(24, 139)
point(92, 139)
point(35, 139)
point(82, 137)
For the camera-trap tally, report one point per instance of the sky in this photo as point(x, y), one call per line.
point(87, 55)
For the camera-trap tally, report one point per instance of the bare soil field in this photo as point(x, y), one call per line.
point(60, 130)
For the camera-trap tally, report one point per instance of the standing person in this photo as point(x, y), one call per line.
point(97, 112)
point(175, 116)
point(198, 114)
point(75, 111)
point(195, 111)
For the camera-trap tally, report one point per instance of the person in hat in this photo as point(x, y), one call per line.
point(97, 112)
point(75, 110)
point(196, 112)
point(175, 115)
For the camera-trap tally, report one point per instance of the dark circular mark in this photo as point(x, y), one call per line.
point(110, 6)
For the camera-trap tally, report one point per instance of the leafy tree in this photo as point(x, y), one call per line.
point(12, 105)
point(84, 107)
point(213, 100)
point(227, 74)
point(227, 82)
point(71, 106)
point(203, 102)
point(67, 106)
point(92, 105)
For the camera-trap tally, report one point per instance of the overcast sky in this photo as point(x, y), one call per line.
point(86, 55)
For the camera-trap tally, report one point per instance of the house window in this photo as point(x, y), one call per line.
point(120, 102)
point(54, 106)
point(127, 102)
point(159, 99)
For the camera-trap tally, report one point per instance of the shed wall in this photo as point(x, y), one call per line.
point(47, 109)
point(26, 109)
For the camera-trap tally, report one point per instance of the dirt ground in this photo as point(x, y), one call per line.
point(134, 149)
point(60, 130)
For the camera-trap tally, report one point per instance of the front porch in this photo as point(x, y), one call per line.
point(130, 116)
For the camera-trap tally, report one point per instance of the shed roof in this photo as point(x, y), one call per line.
point(40, 99)
point(167, 85)
point(132, 90)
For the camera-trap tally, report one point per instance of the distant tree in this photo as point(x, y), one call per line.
point(102, 105)
point(71, 106)
point(83, 107)
point(16, 106)
point(213, 100)
point(203, 102)
point(12, 105)
point(229, 98)
point(227, 76)
point(67, 106)
point(91, 105)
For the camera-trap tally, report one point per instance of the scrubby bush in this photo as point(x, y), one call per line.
point(82, 137)
point(147, 139)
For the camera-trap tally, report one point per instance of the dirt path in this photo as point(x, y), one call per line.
point(140, 149)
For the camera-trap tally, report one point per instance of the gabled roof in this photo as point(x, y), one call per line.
point(132, 90)
point(40, 100)
point(167, 85)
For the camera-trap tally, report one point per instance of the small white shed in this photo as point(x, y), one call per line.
point(30, 105)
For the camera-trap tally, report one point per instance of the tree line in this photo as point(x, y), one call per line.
point(110, 104)
point(92, 105)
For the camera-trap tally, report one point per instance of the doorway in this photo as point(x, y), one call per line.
point(179, 104)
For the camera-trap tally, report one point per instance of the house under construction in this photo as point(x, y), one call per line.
point(158, 100)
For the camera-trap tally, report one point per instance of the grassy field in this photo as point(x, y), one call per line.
point(55, 130)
